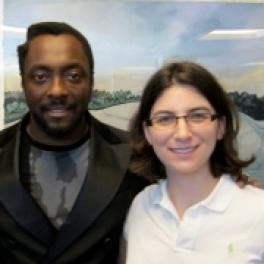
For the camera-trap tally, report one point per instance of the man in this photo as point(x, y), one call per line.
point(64, 184)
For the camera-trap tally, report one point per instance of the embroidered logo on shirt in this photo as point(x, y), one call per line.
point(231, 249)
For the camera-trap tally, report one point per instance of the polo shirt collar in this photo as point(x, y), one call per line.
point(218, 200)
point(221, 196)
point(159, 193)
point(160, 198)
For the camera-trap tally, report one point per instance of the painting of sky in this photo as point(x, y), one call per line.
point(132, 39)
point(137, 37)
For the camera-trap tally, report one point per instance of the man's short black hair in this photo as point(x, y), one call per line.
point(53, 28)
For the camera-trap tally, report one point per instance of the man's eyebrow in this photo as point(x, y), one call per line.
point(38, 67)
point(63, 68)
point(75, 66)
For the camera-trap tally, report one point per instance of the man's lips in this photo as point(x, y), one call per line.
point(57, 110)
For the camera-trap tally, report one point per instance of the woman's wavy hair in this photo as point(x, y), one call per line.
point(224, 159)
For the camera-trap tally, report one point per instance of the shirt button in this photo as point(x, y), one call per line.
point(107, 239)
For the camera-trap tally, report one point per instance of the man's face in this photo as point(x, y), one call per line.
point(57, 85)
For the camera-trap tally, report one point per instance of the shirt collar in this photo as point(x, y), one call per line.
point(221, 196)
point(218, 200)
point(159, 193)
point(161, 198)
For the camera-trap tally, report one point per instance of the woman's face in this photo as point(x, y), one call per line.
point(185, 146)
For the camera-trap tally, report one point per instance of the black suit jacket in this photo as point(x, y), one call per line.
point(92, 230)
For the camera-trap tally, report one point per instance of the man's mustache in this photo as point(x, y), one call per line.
point(57, 106)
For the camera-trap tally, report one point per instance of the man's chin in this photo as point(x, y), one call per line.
point(57, 129)
point(58, 132)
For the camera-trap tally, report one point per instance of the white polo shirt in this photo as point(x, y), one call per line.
point(225, 228)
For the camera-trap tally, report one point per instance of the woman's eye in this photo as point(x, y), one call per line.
point(198, 117)
point(165, 119)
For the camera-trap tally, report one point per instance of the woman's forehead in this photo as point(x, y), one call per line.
point(179, 97)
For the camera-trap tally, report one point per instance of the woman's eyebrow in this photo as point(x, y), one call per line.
point(201, 108)
point(163, 112)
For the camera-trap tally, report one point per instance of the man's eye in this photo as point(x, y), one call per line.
point(40, 77)
point(73, 76)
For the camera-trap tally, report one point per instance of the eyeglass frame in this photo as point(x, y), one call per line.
point(149, 121)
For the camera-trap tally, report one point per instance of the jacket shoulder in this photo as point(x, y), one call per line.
point(7, 134)
point(110, 133)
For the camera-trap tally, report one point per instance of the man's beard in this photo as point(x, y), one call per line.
point(57, 131)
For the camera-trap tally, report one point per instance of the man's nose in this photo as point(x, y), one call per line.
point(57, 88)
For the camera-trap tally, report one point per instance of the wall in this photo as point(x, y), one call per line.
point(1, 69)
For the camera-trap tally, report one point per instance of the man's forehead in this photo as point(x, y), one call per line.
point(55, 42)
point(56, 50)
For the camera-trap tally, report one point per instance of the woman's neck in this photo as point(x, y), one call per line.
point(186, 190)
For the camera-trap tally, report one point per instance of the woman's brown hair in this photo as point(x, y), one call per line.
point(225, 158)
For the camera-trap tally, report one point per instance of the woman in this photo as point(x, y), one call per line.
point(183, 137)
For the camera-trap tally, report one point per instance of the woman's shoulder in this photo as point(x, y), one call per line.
point(252, 198)
point(243, 198)
point(141, 205)
point(149, 192)
point(248, 191)
point(253, 191)
point(149, 196)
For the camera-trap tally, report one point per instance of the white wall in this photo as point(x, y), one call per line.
point(1, 67)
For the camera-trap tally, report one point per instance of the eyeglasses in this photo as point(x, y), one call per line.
point(168, 121)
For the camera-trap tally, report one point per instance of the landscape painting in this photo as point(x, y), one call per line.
point(132, 39)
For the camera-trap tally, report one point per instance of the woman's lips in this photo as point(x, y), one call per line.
point(183, 150)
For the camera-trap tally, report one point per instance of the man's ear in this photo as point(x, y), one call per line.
point(22, 82)
point(91, 88)
point(221, 128)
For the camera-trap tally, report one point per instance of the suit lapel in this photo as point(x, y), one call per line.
point(107, 166)
point(16, 200)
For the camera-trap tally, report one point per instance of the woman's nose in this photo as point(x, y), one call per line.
point(182, 129)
